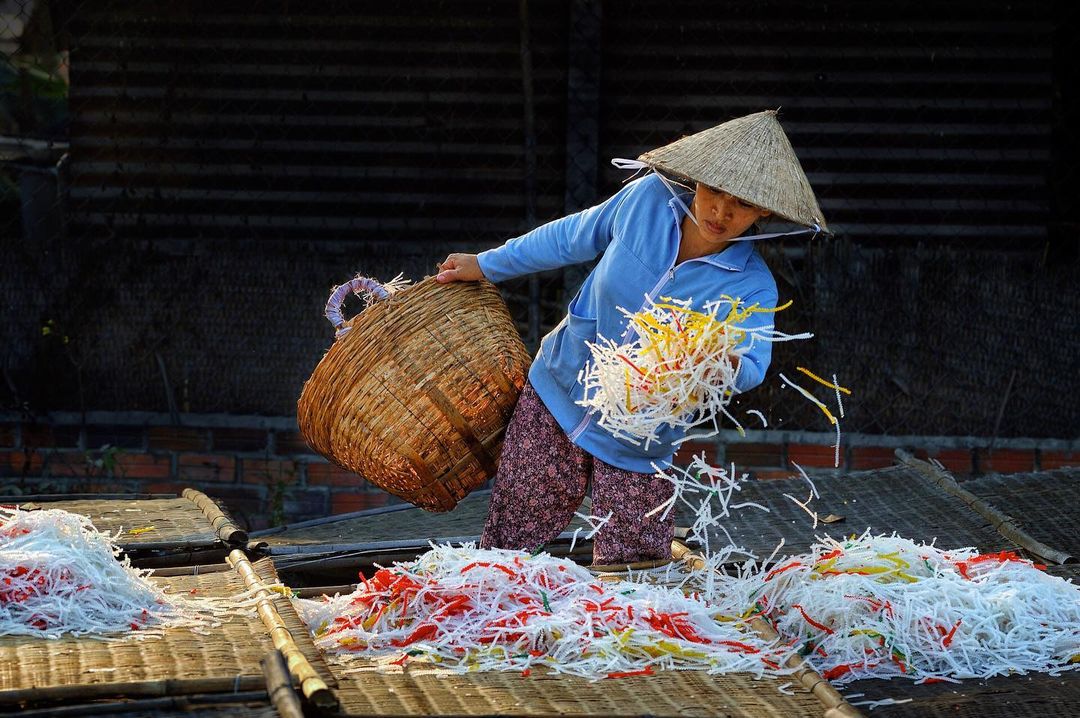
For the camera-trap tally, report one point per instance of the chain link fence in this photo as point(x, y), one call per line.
point(181, 187)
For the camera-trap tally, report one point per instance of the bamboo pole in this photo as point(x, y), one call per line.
point(226, 530)
point(807, 677)
point(159, 688)
point(1002, 523)
point(312, 686)
point(279, 686)
point(24, 498)
point(192, 570)
point(183, 558)
point(336, 518)
point(184, 703)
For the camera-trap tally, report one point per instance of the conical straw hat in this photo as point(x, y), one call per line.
point(749, 157)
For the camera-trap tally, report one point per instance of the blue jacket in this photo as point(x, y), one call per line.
point(638, 231)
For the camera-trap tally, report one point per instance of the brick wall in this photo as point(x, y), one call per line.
point(775, 459)
point(266, 474)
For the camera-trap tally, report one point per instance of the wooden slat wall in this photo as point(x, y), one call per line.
point(330, 120)
point(389, 129)
point(339, 120)
point(914, 121)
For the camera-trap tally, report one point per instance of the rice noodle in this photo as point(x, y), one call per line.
point(678, 370)
point(885, 606)
point(871, 606)
point(472, 609)
point(60, 576)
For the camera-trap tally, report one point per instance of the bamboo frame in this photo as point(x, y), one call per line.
point(196, 570)
point(1001, 522)
point(402, 545)
point(159, 688)
point(146, 705)
point(279, 686)
point(195, 522)
point(335, 518)
point(312, 686)
point(226, 529)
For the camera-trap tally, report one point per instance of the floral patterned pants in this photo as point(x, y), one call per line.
point(542, 479)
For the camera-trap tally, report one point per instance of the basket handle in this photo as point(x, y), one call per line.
point(357, 285)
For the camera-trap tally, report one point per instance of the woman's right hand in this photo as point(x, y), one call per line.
point(459, 268)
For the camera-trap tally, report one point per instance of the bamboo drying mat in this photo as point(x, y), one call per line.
point(894, 499)
point(229, 651)
point(1035, 695)
point(175, 523)
point(885, 500)
point(467, 519)
point(432, 692)
point(1045, 504)
point(1069, 572)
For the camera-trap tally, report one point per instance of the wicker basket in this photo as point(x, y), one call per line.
point(416, 393)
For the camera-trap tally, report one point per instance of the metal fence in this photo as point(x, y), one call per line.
point(182, 185)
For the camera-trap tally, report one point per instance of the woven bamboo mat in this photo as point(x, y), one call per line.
point(467, 519)
point(1069, 572)
point(230, 651)
point(1045, 504)
point(145, 524)
point(885, 500)
point(1035, 695)
point(433, 692)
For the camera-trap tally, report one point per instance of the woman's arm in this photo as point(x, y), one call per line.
point(755, 360)
point(570, 240)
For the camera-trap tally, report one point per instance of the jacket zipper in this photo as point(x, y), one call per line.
point(581, 426)
point(666, 277)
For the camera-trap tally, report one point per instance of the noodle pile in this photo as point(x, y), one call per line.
point(886, 607)
point(60, 576)
point(472, 609)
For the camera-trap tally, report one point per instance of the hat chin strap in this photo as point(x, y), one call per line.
point(814, 230)
point(637, 165)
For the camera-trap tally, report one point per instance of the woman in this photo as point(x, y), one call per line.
point(655, 242)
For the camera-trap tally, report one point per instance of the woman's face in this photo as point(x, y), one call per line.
point(721, 216)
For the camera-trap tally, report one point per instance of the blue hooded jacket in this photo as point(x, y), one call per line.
point(638, 232)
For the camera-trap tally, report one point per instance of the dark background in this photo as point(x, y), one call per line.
point(184, 184)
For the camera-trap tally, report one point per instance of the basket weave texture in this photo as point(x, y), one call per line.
point(416, 397)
